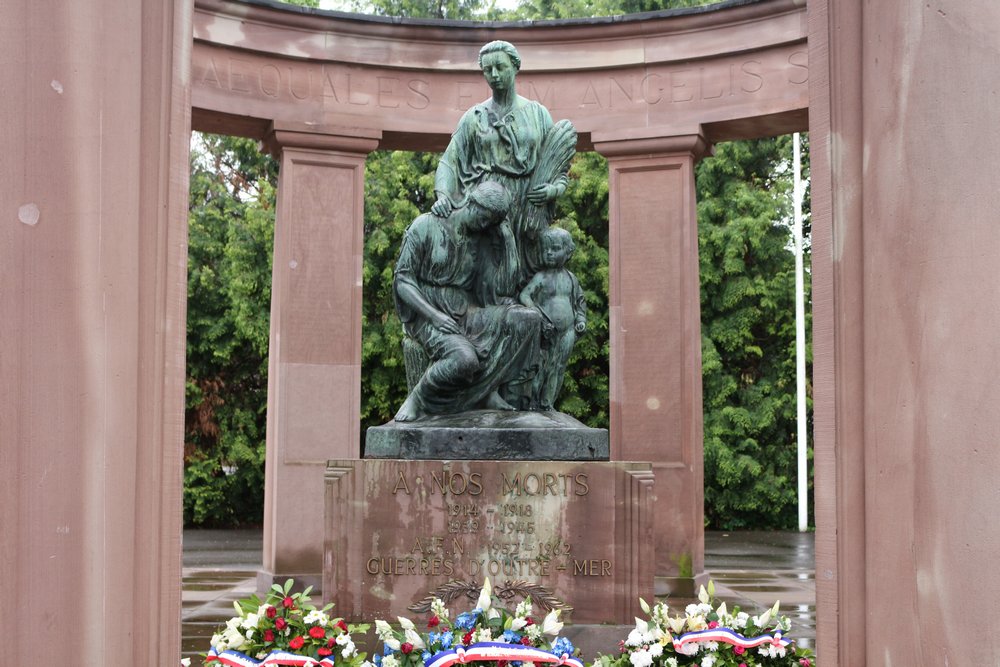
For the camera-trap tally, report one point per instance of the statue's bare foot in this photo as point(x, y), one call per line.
point(494, 402)
point(409, 411)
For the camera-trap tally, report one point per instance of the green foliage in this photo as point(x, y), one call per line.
point(231, 231)
point(399, 186)
point(569, 9)
point(748, 334)
point(437, 9)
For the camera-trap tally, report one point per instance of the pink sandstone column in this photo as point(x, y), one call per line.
point(656, 407)
point(93, 229)
point(314, 382)
point(907, 253)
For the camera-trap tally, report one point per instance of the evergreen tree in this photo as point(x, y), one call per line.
point(230, 239)
point(748, 334)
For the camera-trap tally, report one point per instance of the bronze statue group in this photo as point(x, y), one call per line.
point(489, 309)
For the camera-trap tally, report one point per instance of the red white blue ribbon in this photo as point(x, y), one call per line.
point(275, 658)
point(727, 636)
point(492, 652)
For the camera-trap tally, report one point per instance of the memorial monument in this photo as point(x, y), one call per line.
point(478, 475)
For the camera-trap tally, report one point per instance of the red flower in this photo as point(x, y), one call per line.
point(528, 621)
point(271, 611)
point(269, 635)
point(739, 650)
point(288, 602)
point(433, 622)
point(712, 625)
point(280, 623)
point(317, 632)
point(331, 643)
point(342, 625)
point(805, 662)
point(296, 643)
point(323, 652)
point(467, 639)
point(406, 648)
point(526, 640)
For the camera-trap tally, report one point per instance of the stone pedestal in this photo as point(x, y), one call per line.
point(396, 531)
point(489, 434)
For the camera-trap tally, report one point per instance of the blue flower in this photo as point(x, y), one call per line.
point(378, 661)
point(446, 639)
point(562, 645)
point(425, 656)
point(511, 637)
point(386, 650)
point(465, 620)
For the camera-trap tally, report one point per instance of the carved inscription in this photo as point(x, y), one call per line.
point(498, 524)
point(347, 86)
point(398, 531)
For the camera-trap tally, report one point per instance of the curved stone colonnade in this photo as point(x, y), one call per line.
point(650, 92)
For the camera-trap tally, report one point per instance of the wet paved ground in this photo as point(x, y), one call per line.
point(751, 569)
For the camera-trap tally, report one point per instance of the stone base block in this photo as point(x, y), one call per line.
point(489, 434)
point(579, 533)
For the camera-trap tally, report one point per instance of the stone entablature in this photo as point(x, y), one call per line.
point(738, 71)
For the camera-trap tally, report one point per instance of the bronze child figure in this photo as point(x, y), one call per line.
point(556, 294)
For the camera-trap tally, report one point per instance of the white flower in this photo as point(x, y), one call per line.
point(233, 638)
point(772, 650)
point(485, 596)
point(533, 632)
point(551, 624)
point(518, 624)
point(185, 662)
point(523, 609)
point(677, 624)
point(390, 661)
point(250, 622)
point(438, 609)
point(383, 629)
point(406, 623)
point(708, 661)
point(345, 641)
point(634, 638)
point(641, 659)
point(316, 617)
point(697, 623)
point(482, 635)
point(671, 662)
point(414, 638)
point(656, 649)
point(690, 648)
point(700, 609)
